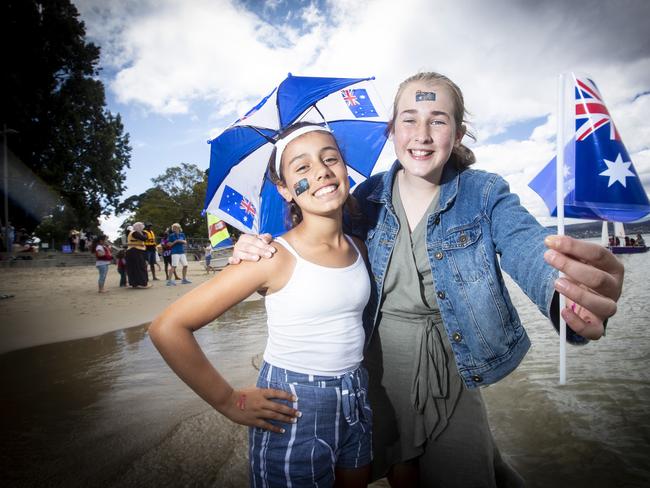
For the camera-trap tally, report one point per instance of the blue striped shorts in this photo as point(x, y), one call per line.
point(335, 430)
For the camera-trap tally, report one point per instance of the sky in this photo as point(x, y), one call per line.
point(179, 72)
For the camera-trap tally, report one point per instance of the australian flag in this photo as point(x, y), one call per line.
point(359, 102)
point(237, 206)
point(600, 181)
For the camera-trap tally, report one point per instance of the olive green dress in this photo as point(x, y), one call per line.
point(421, 407)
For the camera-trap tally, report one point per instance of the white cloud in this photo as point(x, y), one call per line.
point(169, 54)
point(110, 226)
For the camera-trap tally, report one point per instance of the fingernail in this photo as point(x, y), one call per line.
point(298, 413)
point(267, 254)
point(561, 284)
point(551, 240)
point(550, 256)
point(282, 431)
point(573, 307)
point(294, 420)
point(294, 398)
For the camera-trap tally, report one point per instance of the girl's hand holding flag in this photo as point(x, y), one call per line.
point(592, 285)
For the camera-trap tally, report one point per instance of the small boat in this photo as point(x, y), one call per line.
point(628, 249)
point(619, 236)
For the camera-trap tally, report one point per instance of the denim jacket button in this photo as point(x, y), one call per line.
point(457, 337)
point(438, 255)
point(441, 295)
point(477, 379)
point(463, 239)
point(437, 221)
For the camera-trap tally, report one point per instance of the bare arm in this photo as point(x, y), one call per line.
point(594, 281)
point(172, 333)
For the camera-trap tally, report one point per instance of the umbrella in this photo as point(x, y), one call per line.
point(238, 190)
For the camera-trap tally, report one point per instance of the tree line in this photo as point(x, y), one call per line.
point(176, 196)
point(67, 153)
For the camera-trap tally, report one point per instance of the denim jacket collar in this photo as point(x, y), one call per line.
point(449, 183)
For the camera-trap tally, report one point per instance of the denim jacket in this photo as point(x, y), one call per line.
point(478, 228)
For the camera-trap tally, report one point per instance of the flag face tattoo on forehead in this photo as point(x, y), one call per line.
point(301, 187)
point(422, 96)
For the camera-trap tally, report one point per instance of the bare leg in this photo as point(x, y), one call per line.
point(352, 478)
point(184, 272)
point(404, 475)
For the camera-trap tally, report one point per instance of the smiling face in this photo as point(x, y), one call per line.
point(314, 157)
point(425, 130)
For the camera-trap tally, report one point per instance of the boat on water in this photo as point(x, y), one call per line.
point(613, 243)
point(628, 249)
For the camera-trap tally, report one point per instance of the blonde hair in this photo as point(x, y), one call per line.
point(461, 155)
point(177, 226)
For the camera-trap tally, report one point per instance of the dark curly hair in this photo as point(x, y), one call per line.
point(294, 214)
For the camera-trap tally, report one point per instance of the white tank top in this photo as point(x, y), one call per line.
point(315, 320)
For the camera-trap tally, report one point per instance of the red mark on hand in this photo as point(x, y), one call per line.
point(241, 403)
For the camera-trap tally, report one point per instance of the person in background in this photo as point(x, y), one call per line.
point(177, 241)
point(8, 237)
point(120, 260)
point(124, 237)
point(74, 240)
point(150, 247)
point(136, 264)
point(639, 240)
point(82, 240)
point(208, 256)
point(102, 252)
point(167, 257)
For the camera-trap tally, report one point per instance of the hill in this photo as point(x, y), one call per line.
point(593, 229)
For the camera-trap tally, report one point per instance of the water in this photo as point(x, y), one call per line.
point(107, 411)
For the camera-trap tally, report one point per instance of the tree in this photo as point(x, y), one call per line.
point(52, 96)
point(177, 196)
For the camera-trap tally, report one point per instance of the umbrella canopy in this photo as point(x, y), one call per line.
point(238, 189)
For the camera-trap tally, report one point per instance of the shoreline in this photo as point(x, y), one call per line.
point(52, 305)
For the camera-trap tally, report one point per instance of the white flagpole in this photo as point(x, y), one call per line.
point(559, 192)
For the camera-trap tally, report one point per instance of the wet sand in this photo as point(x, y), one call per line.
point(59, 304)
point(107, 411)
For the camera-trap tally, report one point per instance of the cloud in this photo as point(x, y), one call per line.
point(166, 56)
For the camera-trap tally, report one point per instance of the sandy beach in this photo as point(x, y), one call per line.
point(105, 410)
point(60, 304)
point(53, 305)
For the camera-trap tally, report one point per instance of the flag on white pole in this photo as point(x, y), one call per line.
point(592, 175)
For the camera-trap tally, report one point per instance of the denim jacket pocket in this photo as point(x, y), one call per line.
point(464, 247)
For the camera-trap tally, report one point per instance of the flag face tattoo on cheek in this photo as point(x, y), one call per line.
point(301, 187)
point(422, 96)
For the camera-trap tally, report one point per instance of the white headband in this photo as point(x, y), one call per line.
point(282, 144)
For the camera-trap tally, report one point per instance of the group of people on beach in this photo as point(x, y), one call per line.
point(387, 310)
point(141, 256)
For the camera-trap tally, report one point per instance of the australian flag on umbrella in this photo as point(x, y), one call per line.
point(359, 102)
point(237, 206)
point(600, 181)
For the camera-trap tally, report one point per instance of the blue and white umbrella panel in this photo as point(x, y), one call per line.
point(238, 190)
